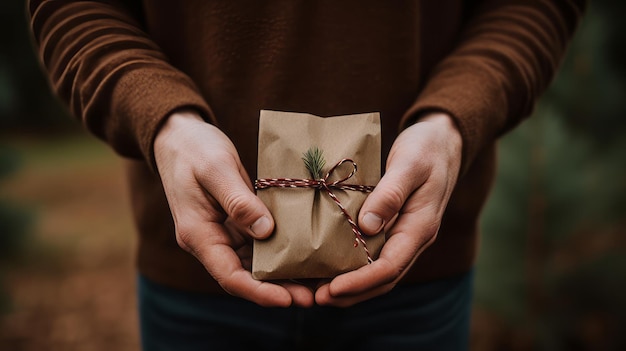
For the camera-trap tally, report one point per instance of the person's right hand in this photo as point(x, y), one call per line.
point(214, 209)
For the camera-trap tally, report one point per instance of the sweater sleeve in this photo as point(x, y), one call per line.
point(506, 56)
point(107, 70)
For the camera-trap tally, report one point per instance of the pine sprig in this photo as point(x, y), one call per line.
point(314, 162)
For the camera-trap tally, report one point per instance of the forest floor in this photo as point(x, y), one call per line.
point(73, 286)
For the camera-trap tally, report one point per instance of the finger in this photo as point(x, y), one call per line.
point(240, 242)
point(234, 195)
point(388, 197)
point(324, 298)
point(239, 236)
point(211, 247)
point(414, 230)
point(245, 256)
point(246, 177)
point(301, 295)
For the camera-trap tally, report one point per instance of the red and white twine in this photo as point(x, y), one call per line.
point(323, 184)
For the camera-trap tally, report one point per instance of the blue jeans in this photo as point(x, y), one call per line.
point(427, 316)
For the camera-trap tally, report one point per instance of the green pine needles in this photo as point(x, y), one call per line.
point(314, 161)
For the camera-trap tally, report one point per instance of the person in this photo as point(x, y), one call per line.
point(176, 88)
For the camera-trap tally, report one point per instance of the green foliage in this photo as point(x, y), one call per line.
point(14, 224)
point(13, 220)
point(314, 162)
point(499, 281)
point(591, 86)
point(26, 102)
point(553, 255)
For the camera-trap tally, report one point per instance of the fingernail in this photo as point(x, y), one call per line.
point(373, 221)
point(261, 227)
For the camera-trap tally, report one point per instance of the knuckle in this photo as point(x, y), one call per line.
point(431, 236)
point(219, 157)
point(183, 238)
point(239, 207)
point(432, 216)
point(228, 283)
point(393, 271)
point(226, 286)
point(431, 229)
point(393, 198)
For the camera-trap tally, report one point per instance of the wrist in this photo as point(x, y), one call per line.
point(174, 122)
point(446, 123)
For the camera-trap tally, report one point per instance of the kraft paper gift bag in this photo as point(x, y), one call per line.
point(313, 238)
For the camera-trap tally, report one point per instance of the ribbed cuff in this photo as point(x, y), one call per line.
point(142, 101)
point(478, 108)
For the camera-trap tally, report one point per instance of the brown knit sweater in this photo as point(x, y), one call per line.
point(123, 66)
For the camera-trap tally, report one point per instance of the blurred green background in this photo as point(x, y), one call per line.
point(552, 267)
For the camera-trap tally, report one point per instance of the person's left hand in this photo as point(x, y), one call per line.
point(422, 171)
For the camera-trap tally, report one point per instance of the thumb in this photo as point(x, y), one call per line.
point(233, 194)
point(386, 200)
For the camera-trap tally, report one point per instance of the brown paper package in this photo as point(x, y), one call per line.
point(312, 238)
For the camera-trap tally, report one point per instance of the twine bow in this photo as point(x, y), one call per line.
point(324, 184)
